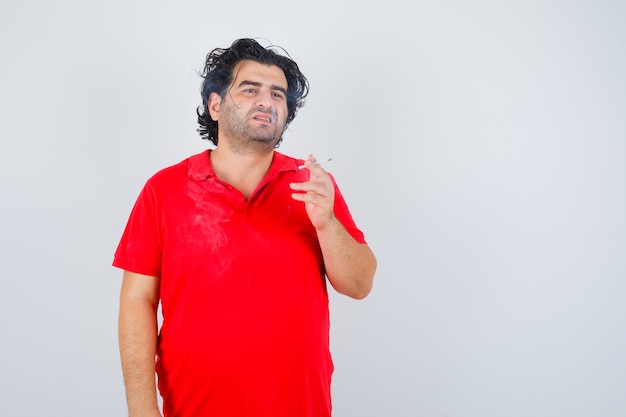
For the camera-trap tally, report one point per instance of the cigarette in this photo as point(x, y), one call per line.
point(316, 163)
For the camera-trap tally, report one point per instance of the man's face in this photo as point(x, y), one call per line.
point(252, 114)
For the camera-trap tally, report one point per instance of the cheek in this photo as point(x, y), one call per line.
point(284, 112)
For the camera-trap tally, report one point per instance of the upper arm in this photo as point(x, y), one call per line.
point(139, 287)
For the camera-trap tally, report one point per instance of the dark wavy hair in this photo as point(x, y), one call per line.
point(218, 77)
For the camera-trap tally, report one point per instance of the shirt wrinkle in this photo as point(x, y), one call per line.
point(243, 293)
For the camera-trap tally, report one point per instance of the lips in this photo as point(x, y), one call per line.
point(262, 117)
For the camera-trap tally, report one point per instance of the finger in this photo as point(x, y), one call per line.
point(318, 188)
point(317, 170)
point(309, 161)
point(310, 198)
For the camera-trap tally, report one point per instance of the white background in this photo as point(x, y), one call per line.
point(480, 146)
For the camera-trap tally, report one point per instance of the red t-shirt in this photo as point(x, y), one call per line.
point(245, 327)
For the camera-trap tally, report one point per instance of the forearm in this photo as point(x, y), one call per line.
point(350, 265)
point(137, 339)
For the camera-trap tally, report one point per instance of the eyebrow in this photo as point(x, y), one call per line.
point(258, 84)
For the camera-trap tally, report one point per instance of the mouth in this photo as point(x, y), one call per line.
point(262, 117)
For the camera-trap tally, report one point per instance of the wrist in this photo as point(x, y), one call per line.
point(328, 226)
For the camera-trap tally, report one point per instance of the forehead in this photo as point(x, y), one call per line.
point(256, 72)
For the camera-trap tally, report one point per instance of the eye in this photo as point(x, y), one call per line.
point(278, 95)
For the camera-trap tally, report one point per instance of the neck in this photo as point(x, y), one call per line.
point(242, 171)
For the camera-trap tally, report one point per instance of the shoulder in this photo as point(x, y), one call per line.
point(195, 165)
point(284, 162)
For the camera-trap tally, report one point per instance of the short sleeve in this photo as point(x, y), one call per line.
point(140, 248)
point(343, 215)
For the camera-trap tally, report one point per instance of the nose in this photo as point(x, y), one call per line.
point(264, 99)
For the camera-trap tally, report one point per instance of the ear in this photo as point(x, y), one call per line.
point(213, 105)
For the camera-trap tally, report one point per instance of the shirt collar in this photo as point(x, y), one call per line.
point(199, 165)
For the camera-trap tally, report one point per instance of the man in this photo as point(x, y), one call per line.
point(236, 244)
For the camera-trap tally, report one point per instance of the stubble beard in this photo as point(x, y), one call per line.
point(243, 137)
